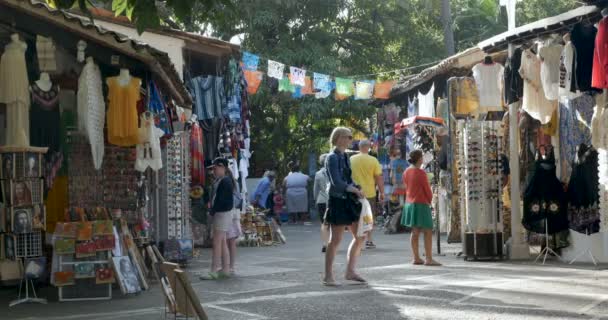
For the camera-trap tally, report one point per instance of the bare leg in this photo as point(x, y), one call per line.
point(219, 245)
point(324, 234)
point(225, 256)
point(414, 244)
point(428, 247)
point(332, 248)
point(354, 250)
point(232, 249)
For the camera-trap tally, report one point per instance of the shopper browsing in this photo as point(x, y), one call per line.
point(222, 205)
point(417, 210)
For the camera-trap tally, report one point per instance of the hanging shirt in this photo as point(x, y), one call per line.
point(600, 56)
point(582, 37)
point(122, 111)
point(209, 97)
point(148, 148)
point(91, 109)
point(489, 78)
point(514, 84)
point(566, 72)
point(535, 102)
point(45, 49)
point(426, 103)
point(549, 69)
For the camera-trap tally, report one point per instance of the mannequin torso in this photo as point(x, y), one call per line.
point(124, 78)
point(44, 83)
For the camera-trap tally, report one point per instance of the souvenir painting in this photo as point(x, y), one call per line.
point(85, 231)
point(64, 278)
point(125, 274)
point(22, 220)
point(102, 227)
point(104, 275)
point(9, 246)
point(39, 220)
point(8, 166)
point(84, 270)
point(185, 249)
point(104, 243)
point(65, 246)
point(86, 249)
point(66, 229)
point(32, 166)
point(21, 193)
point(35, 267)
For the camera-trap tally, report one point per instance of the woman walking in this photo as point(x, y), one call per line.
point(222, 204)
point(340, 211)
point(417, 210)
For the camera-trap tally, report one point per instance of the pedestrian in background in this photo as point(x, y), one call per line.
point(222, 205)
point(398, 166)
point(367, 173)
point(321, 196)
point(262, 196)
point(235, 230)
point(296, 194)
point(341, 212)
point(417, 210)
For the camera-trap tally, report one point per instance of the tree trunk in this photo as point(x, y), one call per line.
point(446, 20)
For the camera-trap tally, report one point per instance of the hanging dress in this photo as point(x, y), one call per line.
point(148, 148)
point(45, 118)
point(197, 172)
point(91, 110)
point(489, 81)
point(122, 111)
point(583, 192)
point(14, 93)
point(535, 102)
point(544, 198)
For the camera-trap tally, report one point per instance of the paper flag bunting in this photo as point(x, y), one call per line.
point(329, 86)
point(364, 90)
point(250, 61)
point(253, 78)
point(307, 89)
point(285, 85)
point(382, 90)
point(321, 82)
point(340, 97)
point(344, 87)
point(297, 92)
point(297, 76)
point(276, 69)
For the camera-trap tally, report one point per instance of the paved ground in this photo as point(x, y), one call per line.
point(283, 283)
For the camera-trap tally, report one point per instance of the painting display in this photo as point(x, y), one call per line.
point(22, 220)
point(32, 165)
point(21, 193)
point(104, 276)
point(125, 274)
point(65, 246)
point(8, 166)
point(35, 267)
point(64, 278)
point(84, 270)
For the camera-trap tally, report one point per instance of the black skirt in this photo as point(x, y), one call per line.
point(340, 213)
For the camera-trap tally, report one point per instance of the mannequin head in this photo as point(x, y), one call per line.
point(15, 37)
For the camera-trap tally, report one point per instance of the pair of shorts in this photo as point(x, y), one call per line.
point(235, 230)
point(340, 212)
point(222, 221)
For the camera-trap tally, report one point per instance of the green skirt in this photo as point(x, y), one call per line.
point(417, 215)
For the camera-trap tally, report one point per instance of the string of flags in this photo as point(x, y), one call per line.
point(320, 85)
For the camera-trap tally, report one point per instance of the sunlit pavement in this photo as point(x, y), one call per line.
point(284, 282)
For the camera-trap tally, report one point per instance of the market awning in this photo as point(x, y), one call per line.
point(556, 24)
point(38, 17)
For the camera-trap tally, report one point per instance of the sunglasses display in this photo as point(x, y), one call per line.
point(176, 185)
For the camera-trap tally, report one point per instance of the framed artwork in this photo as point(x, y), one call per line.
point(104, 275)
point(102, 228)
point(126, 275)
point(65, 246)
point(39, 218)
point(105, 243)
point(86, 249)
point(64, 278)
point(35, 267)
point(9, 246)
point(7, 160)
point(66, 229)
point(21, 193)
point(185, 248)
point(22, 220)
point(84, 270)
point(85, 231)
point(31, 165)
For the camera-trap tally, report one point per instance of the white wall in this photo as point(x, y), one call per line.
point(172, 46)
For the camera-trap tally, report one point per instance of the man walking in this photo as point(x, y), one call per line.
point(367, 173)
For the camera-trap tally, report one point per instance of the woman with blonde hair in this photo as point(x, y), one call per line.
point(340, 211)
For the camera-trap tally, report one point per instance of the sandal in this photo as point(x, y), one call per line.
point(356, 278)
point(209, 276)
point(433, 264)
point(418, 262)
point(331, 283)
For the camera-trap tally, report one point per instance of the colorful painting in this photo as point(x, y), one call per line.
point(185, 249)
point(65, 246)
point(39, 218)
point(66, 229)
point(84, 270)
point(86, 249)
point(64, 278)
point(85, 231)
point(21, 193)
point(104, 275)
point(102, 227)
point(105, 243)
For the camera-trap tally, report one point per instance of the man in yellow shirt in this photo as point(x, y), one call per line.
point(367, 173)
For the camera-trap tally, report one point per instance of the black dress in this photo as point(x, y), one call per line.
point(583, 192)
point(544, 198)
point(340, 209)
point(45, 119)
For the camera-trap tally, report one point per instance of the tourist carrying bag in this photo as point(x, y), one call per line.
point(366, 218)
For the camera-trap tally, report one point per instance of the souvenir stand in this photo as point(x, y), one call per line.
point(86, 181)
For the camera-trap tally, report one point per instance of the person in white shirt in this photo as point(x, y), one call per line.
point(321, 196)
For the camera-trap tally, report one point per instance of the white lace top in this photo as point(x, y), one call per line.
point(91, 109)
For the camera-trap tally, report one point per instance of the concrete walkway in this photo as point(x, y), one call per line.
point(283, 282)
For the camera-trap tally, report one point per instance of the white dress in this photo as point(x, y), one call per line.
point(91, 110)
point(426, 103)
point(549, 69)
point(534, 101)
point(14, 92)
point(148, 149)
point(489, 81)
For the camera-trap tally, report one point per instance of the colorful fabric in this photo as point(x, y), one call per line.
point(250, 61)
point(254, 79)
point(297, 76)
point(417, 215)
point(156, 105)
point(364, 89)
point(276, 69)
point(196, 152)
point(321, 82)
point(209, 98)
point(382, 90)
point(574, 129)
point(344, 87)
point(285, 85)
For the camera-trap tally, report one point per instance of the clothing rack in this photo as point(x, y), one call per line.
point(547, 250)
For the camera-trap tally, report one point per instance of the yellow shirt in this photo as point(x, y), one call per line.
point(365, 168)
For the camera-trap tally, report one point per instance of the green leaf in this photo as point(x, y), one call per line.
point(119, 6)
point(145, 15)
